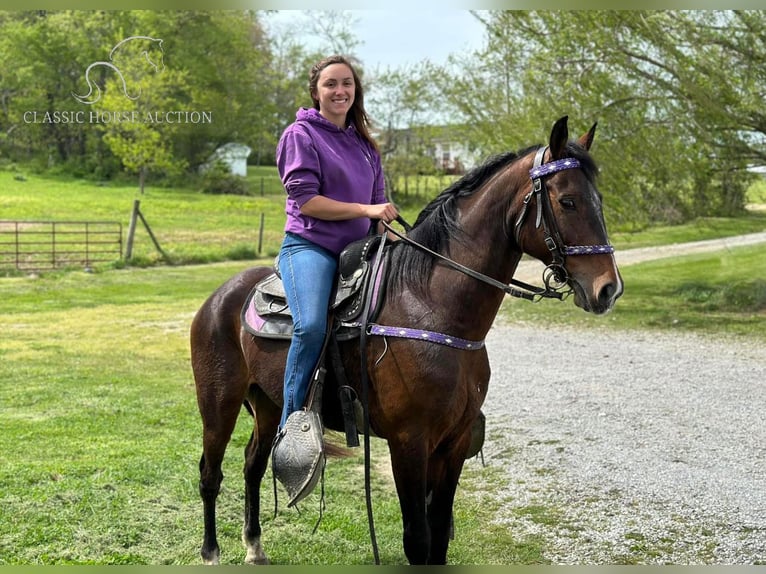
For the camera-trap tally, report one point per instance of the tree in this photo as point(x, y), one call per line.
point(676, 95)
point(216, 59)
point(295, 47)
point(404, 120)
point(139, 135)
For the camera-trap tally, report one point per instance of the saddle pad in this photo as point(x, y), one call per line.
point(276, 326)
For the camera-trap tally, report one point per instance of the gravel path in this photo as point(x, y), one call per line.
point(648, 448)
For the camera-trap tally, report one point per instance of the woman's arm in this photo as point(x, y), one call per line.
point(322, 207)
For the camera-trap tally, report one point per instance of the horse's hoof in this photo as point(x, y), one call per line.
point(255, 553)
point(212, 558)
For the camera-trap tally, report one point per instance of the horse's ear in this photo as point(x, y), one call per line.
point(559, 138)
point(586, 140)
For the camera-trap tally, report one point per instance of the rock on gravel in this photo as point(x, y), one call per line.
point(646, 448)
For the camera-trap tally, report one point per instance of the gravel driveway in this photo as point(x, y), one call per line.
point(647, 448)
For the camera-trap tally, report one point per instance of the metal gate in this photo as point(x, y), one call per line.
point(40, 245)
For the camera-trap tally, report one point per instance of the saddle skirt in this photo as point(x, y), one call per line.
point(267, 314)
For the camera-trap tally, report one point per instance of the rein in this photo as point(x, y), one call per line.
point(531, 295)
point(555, 275)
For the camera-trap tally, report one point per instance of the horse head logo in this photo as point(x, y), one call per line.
point(151, 51)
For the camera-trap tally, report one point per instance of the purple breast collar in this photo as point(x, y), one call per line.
point(421, 335)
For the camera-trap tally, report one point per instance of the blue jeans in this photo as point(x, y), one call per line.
point(308, 273)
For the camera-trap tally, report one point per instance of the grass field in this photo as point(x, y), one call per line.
point(98, 458)
point(101, 438)
point(192, 227)
point(101, 435)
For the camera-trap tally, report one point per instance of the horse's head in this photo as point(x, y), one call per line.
point(561, 221)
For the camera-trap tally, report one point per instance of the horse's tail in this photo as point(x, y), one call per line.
point(334, 450)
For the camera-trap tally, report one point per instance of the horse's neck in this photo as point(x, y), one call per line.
point(486, 248)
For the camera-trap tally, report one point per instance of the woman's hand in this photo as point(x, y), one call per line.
point(383, 211)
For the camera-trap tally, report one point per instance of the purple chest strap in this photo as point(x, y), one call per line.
point(421, 335)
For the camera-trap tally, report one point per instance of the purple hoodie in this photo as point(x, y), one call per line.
point(316, 157)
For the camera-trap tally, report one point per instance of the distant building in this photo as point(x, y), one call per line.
point(452, 155)
point(445, 146)
point(234, 155)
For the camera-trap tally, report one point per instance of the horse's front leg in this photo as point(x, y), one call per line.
point(443, 474)
point(409, 465)
point(266, 419)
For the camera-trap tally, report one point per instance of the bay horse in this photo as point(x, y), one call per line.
point(423, 397)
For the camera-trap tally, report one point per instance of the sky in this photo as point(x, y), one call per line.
point(399, 38)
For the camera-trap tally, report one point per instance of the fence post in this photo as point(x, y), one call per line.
point(260, 235)
point(53, 244)
point(131, 230)
point(153, 238)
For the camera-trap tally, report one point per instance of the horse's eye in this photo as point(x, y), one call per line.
point(568, 204)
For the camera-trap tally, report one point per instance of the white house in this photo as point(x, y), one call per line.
point(452, 155)
point(233, 155)
point(446, 146)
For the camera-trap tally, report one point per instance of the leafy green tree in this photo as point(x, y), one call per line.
point(404, 123)
point(224, 58)
point(215, 63)
point(676, 95)
point(294, 48)
point(135, 116)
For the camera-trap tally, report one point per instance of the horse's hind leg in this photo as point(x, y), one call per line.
point(266, 419)
point(221, 387)
point(215, 438)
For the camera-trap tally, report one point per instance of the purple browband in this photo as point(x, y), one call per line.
point(553, 167)
point(421, 335)
point(587, 249)
point(561, 165)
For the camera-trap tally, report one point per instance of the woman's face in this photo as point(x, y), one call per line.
point(335, 93)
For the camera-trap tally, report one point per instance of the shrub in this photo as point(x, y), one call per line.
point(218, 180)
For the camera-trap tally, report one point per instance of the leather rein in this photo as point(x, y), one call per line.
point(555, 275)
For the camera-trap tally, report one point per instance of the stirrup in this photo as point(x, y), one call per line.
point(297, 456)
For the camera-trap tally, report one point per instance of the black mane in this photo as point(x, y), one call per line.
point(436, 224)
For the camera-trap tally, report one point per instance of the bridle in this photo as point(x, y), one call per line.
point(555, 275)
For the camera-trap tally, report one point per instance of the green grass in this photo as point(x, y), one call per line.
point(698, 229)
point(192, 227)
point(101, 439)
point(101, 435)
point(720, 293)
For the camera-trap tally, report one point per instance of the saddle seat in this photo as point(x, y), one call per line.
point(267, 314)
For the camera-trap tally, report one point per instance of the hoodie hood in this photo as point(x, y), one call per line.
point(313, 116)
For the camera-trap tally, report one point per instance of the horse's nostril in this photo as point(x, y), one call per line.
point(607, 293)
